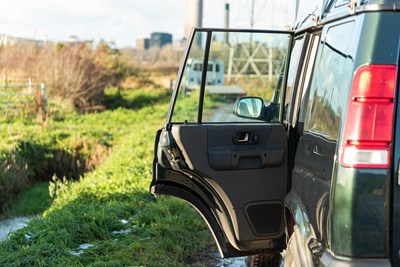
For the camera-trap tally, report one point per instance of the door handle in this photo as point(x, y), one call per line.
point(244, 138)
point(316, 151)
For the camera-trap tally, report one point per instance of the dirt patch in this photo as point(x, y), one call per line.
point(212, 257)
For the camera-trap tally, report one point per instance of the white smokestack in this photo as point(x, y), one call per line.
point(226, 24)
point(193, 15)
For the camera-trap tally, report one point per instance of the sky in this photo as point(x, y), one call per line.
point(124, 21)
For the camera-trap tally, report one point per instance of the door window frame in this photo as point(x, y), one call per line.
point(209, 32)
point(304, 77)
point(304, 38)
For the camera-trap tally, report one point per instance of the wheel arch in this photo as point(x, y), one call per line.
point(192, 198)
point(298, 230)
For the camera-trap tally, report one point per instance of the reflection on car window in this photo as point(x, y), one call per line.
point(326, 94)
point(293, 68)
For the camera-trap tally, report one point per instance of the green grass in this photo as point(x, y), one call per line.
point(31, 152)
point(33, 200)
point(110, 207)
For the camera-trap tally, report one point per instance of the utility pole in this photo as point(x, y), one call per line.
point(252, 25)
point(258, 53)
point(252, 14)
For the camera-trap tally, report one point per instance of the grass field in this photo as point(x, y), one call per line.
point(105, 217)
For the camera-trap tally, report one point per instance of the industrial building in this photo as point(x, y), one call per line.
point(193, 18)
point(159, 39)
point(143, 44)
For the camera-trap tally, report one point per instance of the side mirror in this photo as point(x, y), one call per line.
point(249, 107)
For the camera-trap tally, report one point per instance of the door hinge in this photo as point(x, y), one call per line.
point(353, 6)
point(398, 173)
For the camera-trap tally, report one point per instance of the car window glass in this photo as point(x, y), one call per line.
point(292, 73)
point(301, 107)
point(327, 97)
point(187, 101)
point(245, 64)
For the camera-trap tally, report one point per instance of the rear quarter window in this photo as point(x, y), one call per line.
point(331, 81)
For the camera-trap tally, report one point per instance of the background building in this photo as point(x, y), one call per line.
point(8, 40)
point(143, 44)
point(159, 39)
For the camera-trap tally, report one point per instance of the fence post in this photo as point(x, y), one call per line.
point(5, 81)
point(44, 100)
point(30, 85)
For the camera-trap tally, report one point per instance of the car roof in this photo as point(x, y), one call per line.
point(308, 13)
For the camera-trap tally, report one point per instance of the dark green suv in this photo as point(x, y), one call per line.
point(306, 159)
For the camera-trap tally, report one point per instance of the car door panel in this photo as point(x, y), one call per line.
point(224, 155)
point(233, 170)
point(239, 185)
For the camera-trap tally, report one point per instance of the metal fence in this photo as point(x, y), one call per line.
point(22, 95)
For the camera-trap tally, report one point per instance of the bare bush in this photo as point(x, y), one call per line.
point(80, 73)
point(166, 59)
point(17, 59)
point(72, 71)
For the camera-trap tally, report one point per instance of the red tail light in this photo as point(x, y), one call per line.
point(367, 137)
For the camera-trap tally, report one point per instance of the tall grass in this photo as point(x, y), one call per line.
point(31, 152)
point(110, 208)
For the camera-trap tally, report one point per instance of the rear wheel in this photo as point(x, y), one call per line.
point(264, 260)
point(297, 255)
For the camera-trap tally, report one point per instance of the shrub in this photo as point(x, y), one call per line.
point(14, 178)
point(72, 71)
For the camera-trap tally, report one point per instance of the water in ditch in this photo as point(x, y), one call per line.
point(9, 225)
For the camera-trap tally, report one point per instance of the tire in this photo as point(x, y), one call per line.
point(296, 255)
point(264, 260)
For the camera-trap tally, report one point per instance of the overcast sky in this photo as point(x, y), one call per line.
point(124, 21)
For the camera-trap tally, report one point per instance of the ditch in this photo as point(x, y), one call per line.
point(9, 225)
point(25, 181)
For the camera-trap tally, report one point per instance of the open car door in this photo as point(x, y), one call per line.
point(228, 158)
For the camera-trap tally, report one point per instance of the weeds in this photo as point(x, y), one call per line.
point(108, 218)
point(33, 153)
point(32, 201)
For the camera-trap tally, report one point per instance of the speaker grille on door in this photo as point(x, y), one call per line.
point(265, 218)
